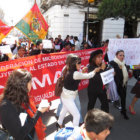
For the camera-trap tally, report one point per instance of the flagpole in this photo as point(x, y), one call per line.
point(35, 1)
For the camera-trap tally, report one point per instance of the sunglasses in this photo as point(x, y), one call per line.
point(79, 62)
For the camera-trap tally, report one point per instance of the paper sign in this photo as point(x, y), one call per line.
point(44, 103)
point(57, 47)
point(47, 44)
point(107, 76)
point(5, 49)
point(131, 49)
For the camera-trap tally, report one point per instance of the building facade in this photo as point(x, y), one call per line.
point(72, 20)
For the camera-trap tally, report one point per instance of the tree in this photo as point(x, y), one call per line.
point(46, 4)
point(127, 9)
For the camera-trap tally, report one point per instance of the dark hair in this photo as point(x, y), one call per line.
point(71, 37)
point(85, 43)
point(107, 41)
point(73, 62)
point(97, 121)
point(76, 38)
point(67, 43)
point(16, 89)
point(20, 47)
point(38, 43)
point(69, 58)
point(72, 45)
point(119, 51)
point(93, 56)
point(32, 45)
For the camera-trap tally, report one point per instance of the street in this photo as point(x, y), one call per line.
point(122, 129)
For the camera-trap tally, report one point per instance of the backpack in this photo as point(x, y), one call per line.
point(60, 83)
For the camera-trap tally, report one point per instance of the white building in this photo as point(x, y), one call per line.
point(72, 21)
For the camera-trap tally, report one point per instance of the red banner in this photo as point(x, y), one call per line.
point(45, 69)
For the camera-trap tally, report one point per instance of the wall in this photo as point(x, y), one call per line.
point(111, 28)
point(65, 21)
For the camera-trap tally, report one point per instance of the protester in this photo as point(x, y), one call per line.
point(57, 45)
point(135, 90)
point(14, 47)
point(20, 54)
point(72, 47)
point(84, 40)
point(60, 42)
point(77, 43)
point(39, 49)
point(106, 55)
point(97, 125)
point(70, 90)
point(71, 40)
point(67, 47)
point(121, 78)
point(77, 101)
point(67, 40)
point(17, 103)
point(96, 89)
point(85, 46)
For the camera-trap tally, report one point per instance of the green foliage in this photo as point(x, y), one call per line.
point(127, 9)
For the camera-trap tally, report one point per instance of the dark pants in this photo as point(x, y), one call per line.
point(92, 96)
point(122, 94)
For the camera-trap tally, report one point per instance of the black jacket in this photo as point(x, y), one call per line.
point(118, 74)
point(95, 83)
point(9, 115)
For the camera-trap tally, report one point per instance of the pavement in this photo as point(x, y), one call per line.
point(122, 129)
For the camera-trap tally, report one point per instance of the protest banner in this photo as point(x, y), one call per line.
point(107, 76)
point(130, 47)
point(45, 70)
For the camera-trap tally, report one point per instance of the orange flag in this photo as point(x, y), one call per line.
point(4, 30)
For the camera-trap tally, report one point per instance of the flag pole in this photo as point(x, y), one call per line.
point(35, 1)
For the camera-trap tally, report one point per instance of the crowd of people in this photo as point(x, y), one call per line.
point(96, 126)
point(24, 48)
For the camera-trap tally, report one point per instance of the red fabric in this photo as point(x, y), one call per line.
point(39, 127)
point(45, 70)
point(64, 50)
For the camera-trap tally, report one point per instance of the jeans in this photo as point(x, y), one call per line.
point(77, 102)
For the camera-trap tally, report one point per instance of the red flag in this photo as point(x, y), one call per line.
point(4, 30)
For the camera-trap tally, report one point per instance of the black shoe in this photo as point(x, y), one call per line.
point(117, 105)
point(124, 115)
point(58, 126)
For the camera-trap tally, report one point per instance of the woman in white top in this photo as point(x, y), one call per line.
point(70, 90)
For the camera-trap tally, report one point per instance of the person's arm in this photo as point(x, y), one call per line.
point(10, 120)
point(79, 76)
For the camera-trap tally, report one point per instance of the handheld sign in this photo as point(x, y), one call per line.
point(5, 49)
point(47, 44)
point(107, 76)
